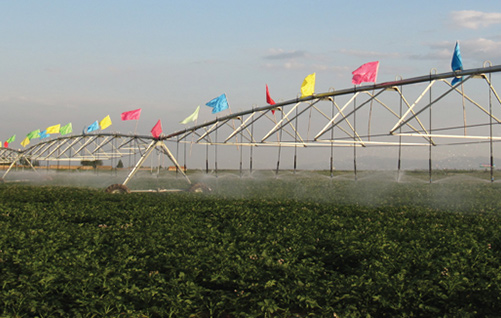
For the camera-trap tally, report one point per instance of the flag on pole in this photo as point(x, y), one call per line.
point(192, 117)
point(131, 115)
point(54, 129)
point(365, 73)
point(456, 63)
point(269, 100)
point(105, 122)
point(92, 127)
point(11, 139)
point(44, 134)
point(157, 129)
point(6, 145)
point(218, 104)
point(66, 129)
point(33, 134)
point(308, 86)
point(25, 142)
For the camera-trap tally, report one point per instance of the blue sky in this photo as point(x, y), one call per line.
point(78, 61)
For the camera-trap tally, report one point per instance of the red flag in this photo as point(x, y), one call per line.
point(157, 129)
point(269, 100)
point(131, 115)
point(6, 145)
point(365, 73)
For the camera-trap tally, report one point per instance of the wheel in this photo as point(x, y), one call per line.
point(199, 187)
point(117, 188)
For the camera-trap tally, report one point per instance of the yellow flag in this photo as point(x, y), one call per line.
point(53, 129)
point(105, 122)
point(25, 142)
point(308, 86)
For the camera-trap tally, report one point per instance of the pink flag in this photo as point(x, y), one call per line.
point(157, 129)
point(269, 100)
point(131, 115)
point(268, 97)
point(365, 73)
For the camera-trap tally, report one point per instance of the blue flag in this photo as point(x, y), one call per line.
point(92, 127)
point(456, 64)
point(44, 134)
point(218, 104)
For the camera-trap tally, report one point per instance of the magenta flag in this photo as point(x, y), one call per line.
point(269, 100)
point(157, 129)
point(131, 115)
point(365, 73)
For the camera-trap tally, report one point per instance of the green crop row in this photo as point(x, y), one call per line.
point(252, 248)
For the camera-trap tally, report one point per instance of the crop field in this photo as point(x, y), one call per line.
point(296, 245)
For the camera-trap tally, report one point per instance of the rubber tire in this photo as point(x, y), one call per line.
point(117, 188)
point(199, 188)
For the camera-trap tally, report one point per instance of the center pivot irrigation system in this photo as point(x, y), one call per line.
point(431, 113)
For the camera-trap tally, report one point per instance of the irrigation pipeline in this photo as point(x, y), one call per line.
point(354, 90)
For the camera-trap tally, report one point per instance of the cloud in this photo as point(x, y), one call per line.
point(475, 19)
point(280, 54)
point(479, 49)
point(370, 54)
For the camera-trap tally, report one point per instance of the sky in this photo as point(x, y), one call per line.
point(79, 61)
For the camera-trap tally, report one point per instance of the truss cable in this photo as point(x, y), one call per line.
point(251, 150)
point(215, 154)
point(399, 164)
point(184, 164)
point(177, 154)
point(241, 149)
point(279, 145)
point(430, 167)
point(332, 141)
point(491, 149)
point(355, 137)
point(295, 142)
point(207, 158)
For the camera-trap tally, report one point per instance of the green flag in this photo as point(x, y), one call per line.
point(66, 129)
point(11, 139)
point(33, 134)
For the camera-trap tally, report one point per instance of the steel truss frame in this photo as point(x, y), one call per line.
point(241, 129)
point(320, 120)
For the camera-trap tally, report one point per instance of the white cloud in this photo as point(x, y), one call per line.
point(475, 19)
point(280, 54)
point(370, 54)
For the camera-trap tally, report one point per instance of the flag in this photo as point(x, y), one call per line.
point(6, 145)
point(25, 142)
point(11, 139)
point(105, 122)
point(54, 129)
point(365, 73)
point(269, 100)
point(456, 63)
point(308, 86)
point(92, 127)
point(33, 134)
point(66, 129)
point(192, 117)
point(131, 115)
point(218, 104)
point(157, 129)
point(44, 134)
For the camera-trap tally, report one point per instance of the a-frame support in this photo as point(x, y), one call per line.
point(153, 145)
